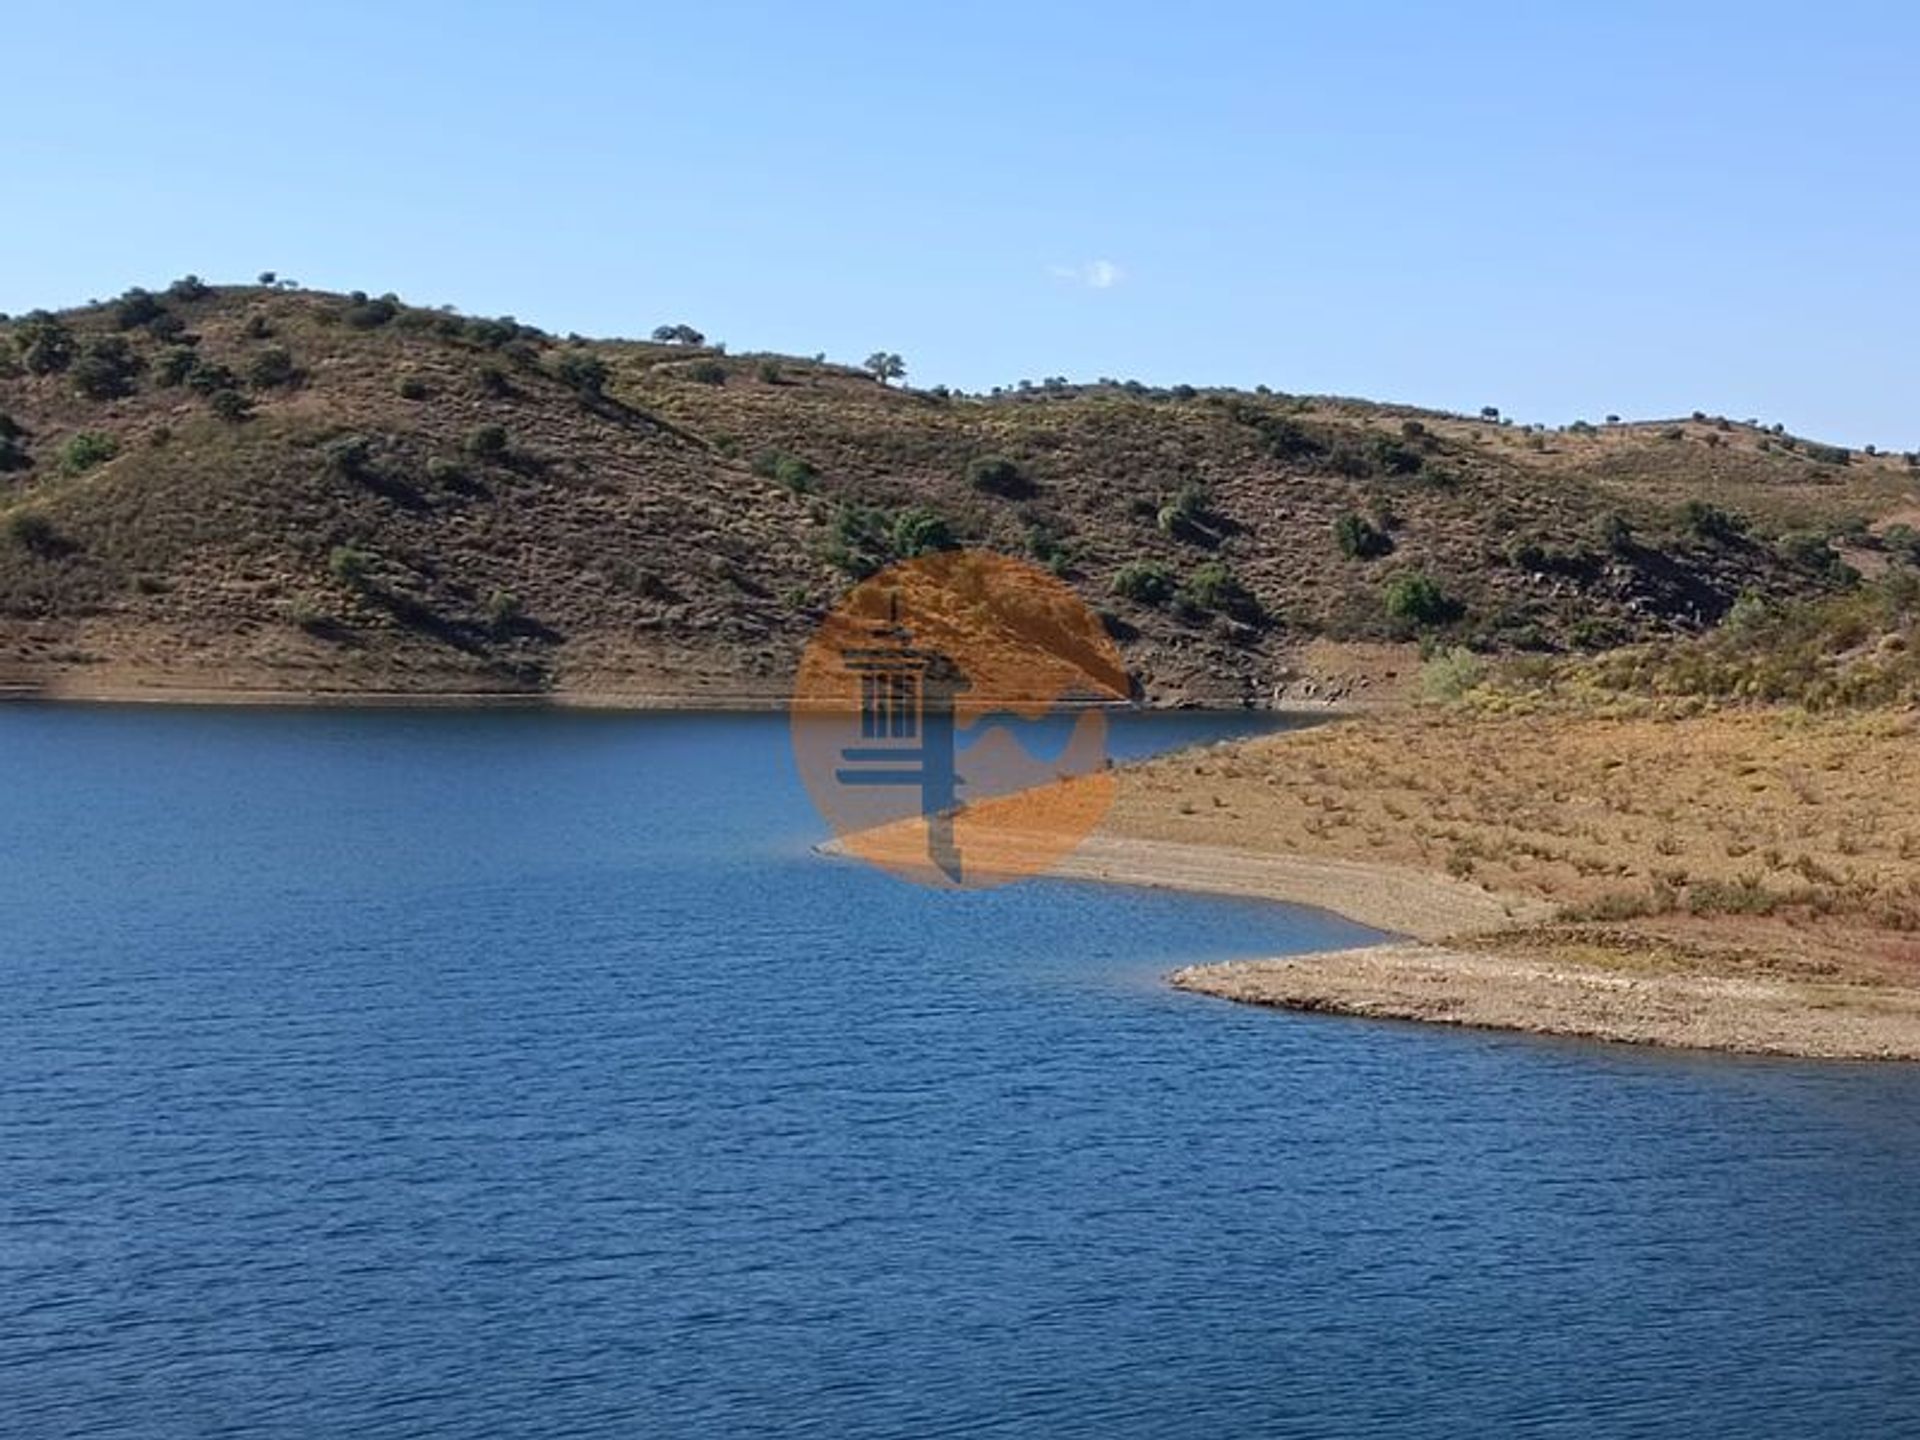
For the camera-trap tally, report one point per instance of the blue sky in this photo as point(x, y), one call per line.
point(1633, 208)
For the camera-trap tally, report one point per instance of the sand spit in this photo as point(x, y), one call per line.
point(1454, 985)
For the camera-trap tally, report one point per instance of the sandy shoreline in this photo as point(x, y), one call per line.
point(1455, 985)
point(1439, 975)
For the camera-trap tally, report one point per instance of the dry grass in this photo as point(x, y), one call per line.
point(1727, 834)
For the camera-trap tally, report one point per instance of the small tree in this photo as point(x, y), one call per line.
point(1489, 412)
point(187, 289)
point(677, 335)
point(884, 365)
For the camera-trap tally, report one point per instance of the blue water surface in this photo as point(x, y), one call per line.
point(508, 1074)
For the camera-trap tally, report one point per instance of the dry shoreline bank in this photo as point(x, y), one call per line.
point(1743, 882)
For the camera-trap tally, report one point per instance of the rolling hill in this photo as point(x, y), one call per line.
point(268, 490)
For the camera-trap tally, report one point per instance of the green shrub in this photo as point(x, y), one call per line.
point(1902, 542)
point(364, 314)
point(707, 372)
point(1394, 457)
point(769, 372)
point(414, 387)
point(44, 342)
point(450, 473)
point(175, 364)
point(1187, 514)
point(859, 542)
point(187, 289)
point(920, 531)
point(1616, 532)
point(786, 469)
point(1807, 550)
point(1451, 674)
point(351, 566)
point(136, 308)
point(1710, 522)
point(1145, 582)
point(86, 451)
point(1360, 539)
point(489, 442)
point(271, 368)
point(1048, 546)
point(583, 372)
point(504, 610)
point(1417, 599)
point(209, 377)
point(1281, 436)
point(33, 531)
point(1214, 588)
point(106, 368)
point(349, 456)
point(13, 452)
point(230, 406)
point(492, 334)
point(997, 475)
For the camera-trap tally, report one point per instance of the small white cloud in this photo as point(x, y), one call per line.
point(1094, 274)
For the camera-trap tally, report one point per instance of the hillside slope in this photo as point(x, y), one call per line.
point(262, 489)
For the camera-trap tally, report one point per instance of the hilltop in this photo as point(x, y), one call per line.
point(264, 489)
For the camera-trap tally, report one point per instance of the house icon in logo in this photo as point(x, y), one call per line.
point(907, 698)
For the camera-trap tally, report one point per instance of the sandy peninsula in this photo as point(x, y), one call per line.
point(1739, 881)
point(1743, 881)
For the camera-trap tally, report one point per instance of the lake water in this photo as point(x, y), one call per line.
point(463, 1074)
